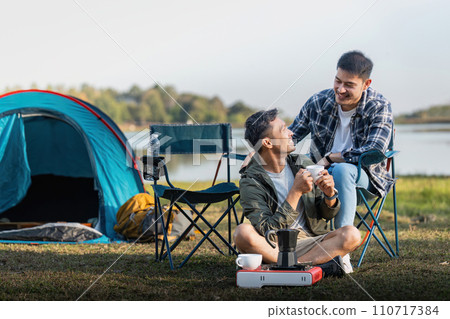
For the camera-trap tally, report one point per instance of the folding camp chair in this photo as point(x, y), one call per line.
point(195, 139)
point(374, 212)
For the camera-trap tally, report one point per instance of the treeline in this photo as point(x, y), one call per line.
point(434, 114)
point(157, 105)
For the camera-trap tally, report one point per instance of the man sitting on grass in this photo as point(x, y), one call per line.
point(277, 192)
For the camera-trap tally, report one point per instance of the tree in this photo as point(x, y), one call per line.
point(156, 104)
point(139, 113)
point(169, 96)
point(239, 112)
point(216, 111)
point(107, 102)
point(134, 93)
point(89, 91)
point(152, 100)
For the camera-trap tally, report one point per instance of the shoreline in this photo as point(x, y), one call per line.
point(132, 127)
point(422, 121)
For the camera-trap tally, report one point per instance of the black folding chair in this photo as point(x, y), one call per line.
point(194, 139)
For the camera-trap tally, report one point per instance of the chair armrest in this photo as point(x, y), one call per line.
point(369, 158)
point(390, 154)
point(372, 157)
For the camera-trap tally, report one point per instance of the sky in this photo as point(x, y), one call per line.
point(264, 53)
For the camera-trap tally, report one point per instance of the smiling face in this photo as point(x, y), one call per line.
point(348, 89)
point(279, 138)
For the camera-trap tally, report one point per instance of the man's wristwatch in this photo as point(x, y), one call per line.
point(336, 193)
point(328, 158)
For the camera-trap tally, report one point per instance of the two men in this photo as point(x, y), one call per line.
point(344, 122)
point(277, 192)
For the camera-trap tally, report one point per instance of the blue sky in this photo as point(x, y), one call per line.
point(237, 50)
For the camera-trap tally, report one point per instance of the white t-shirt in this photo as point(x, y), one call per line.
point(343, 138)
point(283, 182)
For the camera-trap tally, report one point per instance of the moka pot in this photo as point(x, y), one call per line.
point(287, 242)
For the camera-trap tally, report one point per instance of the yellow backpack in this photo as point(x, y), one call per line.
point(136, 218)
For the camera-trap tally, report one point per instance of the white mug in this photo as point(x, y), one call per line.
point(249, 261)
point(315, 171)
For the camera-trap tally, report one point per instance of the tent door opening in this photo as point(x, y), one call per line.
point(62, 186)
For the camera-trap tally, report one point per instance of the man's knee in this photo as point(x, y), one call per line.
point(243, 231)
point(344, 172)
point(244, 236)
point(349, 237)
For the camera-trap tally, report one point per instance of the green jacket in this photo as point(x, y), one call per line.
point(260, 203)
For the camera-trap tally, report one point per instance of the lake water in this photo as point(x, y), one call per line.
point(424, 149)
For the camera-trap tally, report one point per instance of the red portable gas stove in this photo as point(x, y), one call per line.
point(287, 272)
point(275, 276)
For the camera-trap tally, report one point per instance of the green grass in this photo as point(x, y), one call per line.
point(65, 272)
point(422, 196)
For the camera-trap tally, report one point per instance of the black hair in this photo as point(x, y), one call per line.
point(356, 63)
point(257, 125)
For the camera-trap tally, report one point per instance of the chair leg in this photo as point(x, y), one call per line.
point(371, 228)
point(369, 234)
point(212, 229)
point(367, 214)
point(242, 218)
point(381, 230)
point(229, 222)
point(156, 229)
point(396, 222)
point(166, 231)
point(200, 215)
point(165, 239)
point(229, 233)
point(394, 197)
point(362, 220)
point(236, 216)
point(193, 224)
point(372, 234)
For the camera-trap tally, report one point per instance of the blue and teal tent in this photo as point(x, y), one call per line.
point(62, 159)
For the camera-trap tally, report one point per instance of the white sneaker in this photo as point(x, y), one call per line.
point(347, 265)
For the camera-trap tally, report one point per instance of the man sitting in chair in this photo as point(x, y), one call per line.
point(344, 122)
point(277, 192)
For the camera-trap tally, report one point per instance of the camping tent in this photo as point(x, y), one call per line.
point(62, 159)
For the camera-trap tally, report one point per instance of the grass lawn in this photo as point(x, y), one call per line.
point(129, 272)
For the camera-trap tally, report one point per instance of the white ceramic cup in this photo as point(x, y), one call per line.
point(249, 261)
point(315, 171)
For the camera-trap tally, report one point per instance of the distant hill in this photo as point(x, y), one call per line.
point(434, 114)
point(137, 107)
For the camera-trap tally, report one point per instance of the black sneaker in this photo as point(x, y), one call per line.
point(333, 268)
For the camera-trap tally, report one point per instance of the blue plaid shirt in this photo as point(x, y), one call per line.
point(371, 127)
